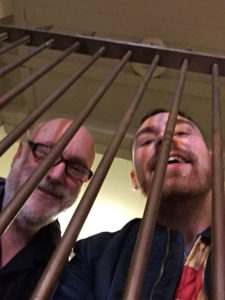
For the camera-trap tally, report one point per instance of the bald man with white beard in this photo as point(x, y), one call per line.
point(28, 243)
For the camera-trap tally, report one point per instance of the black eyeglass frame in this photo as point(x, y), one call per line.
point(60, 159)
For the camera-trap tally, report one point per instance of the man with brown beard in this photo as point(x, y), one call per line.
point(178, 265)
point(28, 243)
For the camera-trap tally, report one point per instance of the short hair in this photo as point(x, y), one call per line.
point(161, 110)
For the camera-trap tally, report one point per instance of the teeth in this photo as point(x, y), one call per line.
point(175, 159)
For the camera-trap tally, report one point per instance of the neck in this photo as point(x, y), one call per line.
point(14, 239)
point(190, 216)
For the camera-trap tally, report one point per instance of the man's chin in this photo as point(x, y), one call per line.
point(35, 219)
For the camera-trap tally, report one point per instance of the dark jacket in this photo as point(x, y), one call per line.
point(19, 277)
point(99, 269)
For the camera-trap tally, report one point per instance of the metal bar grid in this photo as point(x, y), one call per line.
point(97, 47)
point(169, 57)
point(35, 114)
point(20, 87)
point(8, 68)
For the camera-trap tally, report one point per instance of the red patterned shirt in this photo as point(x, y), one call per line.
point(191, 282)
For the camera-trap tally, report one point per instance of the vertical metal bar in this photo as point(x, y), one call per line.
point(143, 245)
point(35, 114)
point(218, 204)
point(53, 270)
point(12, 208)
point(23, 40)
point(4, 99)
point(6, 69)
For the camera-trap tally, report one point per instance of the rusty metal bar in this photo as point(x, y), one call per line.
point(35, 76)
point(53, 270)
point(141, 53)
point(24, 40)
point(143, 245)
point(6, 69)
point(14, 206)
point(35, 114)
point(218, 204)
point(3, 36)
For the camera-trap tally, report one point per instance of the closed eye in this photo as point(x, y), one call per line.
point(147, 142)
point(179, 133)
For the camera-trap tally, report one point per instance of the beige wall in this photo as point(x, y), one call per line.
point(5, 8)
point(5, 160)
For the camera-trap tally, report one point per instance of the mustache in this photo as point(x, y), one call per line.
point(185, 155)
point(52, 187)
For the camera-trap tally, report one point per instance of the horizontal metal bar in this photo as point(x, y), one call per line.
point(45, 105)
point(6, 69)
point(218, 203)
point(23, 40)
point(53, 270)
point(144, 240)
point(19, 88)
point(141, 53)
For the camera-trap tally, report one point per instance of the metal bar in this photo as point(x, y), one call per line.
point(35, 76)
point(218, 204)
point(143, 245)
point(3, 36)
point(35, 114)
point(13, 207)
point(142, 53)
point(53, 270)
point(24, 40)
point(6, 69)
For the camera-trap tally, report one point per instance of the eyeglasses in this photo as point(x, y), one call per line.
point(75, 170)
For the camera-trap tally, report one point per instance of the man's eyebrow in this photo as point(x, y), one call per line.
point(153, 130)
point(186, 121)
point(149, 129)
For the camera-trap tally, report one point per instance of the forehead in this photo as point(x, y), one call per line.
point(50, 131)
point(156, 123)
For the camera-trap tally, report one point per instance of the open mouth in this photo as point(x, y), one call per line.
point(175, 160)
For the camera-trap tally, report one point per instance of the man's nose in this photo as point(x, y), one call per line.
point(158, 143)
point(57, 172)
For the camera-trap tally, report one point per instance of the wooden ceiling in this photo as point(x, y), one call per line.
point(192, 25)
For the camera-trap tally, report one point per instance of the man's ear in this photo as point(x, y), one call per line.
point(18, 153)
point(133, 180)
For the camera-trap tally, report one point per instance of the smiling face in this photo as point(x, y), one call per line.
point(57, 190)
point(189, 165)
